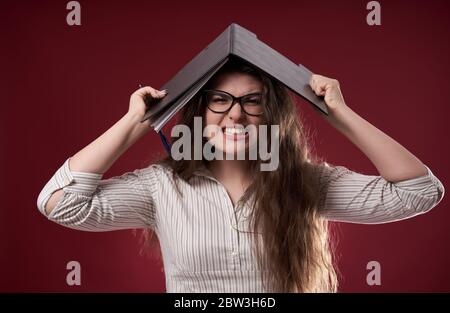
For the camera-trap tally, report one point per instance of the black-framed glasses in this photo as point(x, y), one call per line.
point(220, 101)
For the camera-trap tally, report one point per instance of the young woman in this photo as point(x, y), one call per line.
point(225, 225)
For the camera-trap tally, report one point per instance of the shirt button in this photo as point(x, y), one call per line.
point(66, 181)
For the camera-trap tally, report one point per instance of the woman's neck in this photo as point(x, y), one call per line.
point(231, 170)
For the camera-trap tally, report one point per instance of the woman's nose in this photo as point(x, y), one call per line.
point(236, 113)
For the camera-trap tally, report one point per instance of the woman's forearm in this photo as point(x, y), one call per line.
point(393, 161)
point(100, 155)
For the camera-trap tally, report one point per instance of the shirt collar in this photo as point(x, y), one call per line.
point(202, 170)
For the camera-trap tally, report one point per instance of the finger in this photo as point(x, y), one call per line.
point(320, 90)
point(153, 92)
point(147, 90)
point(317, 85)
point(320, 84)
point(312, 81)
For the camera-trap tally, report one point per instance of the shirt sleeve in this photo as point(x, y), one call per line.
point(91, 204)
point(348, 196)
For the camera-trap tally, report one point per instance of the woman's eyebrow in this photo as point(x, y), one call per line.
point(252, 92)
point(248, 93)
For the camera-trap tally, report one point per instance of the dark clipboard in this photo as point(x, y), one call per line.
point(234, 42)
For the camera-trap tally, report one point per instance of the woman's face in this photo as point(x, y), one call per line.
point(231, 140)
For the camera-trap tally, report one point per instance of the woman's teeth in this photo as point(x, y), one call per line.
point(232, 131)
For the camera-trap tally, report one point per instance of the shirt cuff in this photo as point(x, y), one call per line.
point(69, 181)
point(428, 183)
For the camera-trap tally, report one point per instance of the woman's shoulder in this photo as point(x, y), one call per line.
point(323, 172)
point(157, 169)
point(163, 171)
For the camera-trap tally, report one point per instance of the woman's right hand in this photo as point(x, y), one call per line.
point(138, 106)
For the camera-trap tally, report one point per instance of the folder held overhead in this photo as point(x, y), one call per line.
point(234, 42)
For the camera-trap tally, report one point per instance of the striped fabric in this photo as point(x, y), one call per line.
point(205, 240)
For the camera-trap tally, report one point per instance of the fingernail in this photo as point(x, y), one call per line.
point(164, 91)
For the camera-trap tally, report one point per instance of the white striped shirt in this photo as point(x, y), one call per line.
point(203, 237)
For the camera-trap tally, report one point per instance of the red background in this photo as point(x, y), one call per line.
point(63, 86)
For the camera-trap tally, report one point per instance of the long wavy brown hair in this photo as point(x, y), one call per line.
point(293, 241)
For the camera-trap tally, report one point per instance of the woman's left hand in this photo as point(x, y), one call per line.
point(329, 88)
